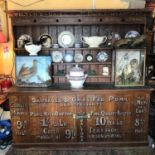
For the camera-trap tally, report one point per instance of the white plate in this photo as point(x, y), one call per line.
point(132, 34)
point(102, 56)
point(66, 39)
point(57, 56)
point(46, 40)
point(78, 57)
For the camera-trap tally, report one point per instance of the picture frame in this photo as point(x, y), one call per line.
point(130, 67)
point(33, 71)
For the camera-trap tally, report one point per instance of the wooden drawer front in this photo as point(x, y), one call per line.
point(51, 118)
point(120, 117)
point(80, 117)
point(19, 109)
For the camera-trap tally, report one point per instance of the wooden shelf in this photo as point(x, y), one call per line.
point(83, 63)
point(77, 49)
point(71, 48)
point(89, 76)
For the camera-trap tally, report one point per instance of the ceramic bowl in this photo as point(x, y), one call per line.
point(77, 83)
point(132, 34)
point(32, 49)
point(94, 41)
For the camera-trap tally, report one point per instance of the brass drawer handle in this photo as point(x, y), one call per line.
point(80, 116)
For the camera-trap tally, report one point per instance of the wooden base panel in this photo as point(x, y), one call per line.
point(83, 151)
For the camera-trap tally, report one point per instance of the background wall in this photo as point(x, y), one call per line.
point(63, 4)
point(7, 60)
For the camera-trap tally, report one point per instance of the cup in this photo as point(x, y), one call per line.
point(105, 71)
point(55, 46)
point(77, 45)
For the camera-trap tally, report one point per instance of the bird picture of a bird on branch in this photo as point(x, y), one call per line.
point(33, 71)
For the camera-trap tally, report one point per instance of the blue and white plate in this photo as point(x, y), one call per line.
point(102, 56)
point(132, 34)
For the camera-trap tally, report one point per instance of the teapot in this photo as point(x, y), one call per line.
point(94, 41)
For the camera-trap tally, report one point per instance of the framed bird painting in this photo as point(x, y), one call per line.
point(130, 67)
point(33, 71)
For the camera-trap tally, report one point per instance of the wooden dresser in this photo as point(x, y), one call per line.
point(97, 116)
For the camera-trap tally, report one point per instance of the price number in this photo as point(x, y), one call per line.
point(70, 134)
point(21, 124)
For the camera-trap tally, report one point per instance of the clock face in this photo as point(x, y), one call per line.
point(89, 57)
point(102, 56)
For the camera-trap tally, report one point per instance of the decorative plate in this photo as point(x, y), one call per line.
point(78, 57)
point(23, 39)
point(45, 40)
point(57, 56)
point(66, 39)
point(102, 56)
point(68, 57)
point(132, 34)
point(89, 57)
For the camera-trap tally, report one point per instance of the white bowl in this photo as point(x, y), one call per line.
point(32, 49)
point(76, 82)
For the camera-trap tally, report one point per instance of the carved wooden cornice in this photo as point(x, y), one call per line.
point(105, 12)
point(79, 17)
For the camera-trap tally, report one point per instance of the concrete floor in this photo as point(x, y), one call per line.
point(151, 144)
